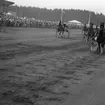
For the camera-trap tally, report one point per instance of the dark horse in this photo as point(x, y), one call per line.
point(60, 30)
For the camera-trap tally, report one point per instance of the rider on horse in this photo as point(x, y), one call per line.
point(61, 28)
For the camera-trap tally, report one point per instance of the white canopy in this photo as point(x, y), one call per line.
point(75, 22)
point(9, 13)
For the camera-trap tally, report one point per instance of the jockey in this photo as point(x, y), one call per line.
point(60, 24)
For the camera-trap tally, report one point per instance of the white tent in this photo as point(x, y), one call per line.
point(12, 14)
point(9, 13)
point(75, 22)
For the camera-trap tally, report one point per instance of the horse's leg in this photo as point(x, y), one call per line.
point(83, 37)
point(86, 39)
point(89, 40)
point(102, 48)
point(62, 32)
point(91, 44)
point(68, 34)
point(59, 33)
point(98, 48)
point(56, 33)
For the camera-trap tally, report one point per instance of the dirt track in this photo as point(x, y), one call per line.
point(36, 68)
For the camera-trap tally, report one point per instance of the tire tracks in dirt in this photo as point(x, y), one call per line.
point(54, 87)
point(21, 49)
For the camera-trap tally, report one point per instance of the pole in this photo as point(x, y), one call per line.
point(22, 14)
point(89, 18)
point(39, 15)
point(17, 10)
point(61, 15)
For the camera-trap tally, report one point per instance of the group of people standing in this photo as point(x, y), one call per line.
point(99, 33)
point(12, 21)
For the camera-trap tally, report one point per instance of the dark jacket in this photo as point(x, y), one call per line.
point(101, 36)
point(91, 31)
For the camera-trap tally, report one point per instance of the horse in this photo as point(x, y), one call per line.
point(61, 29)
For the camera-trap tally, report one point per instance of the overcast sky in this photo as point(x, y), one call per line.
point(92, 5)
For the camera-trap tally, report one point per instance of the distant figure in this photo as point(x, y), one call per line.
point(96, 31)
point(101, 38)
point(85, 29)
point(90, 31)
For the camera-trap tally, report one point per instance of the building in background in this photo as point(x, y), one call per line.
point(4, 4)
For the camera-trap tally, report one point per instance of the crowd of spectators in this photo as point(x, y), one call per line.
point(8, 20)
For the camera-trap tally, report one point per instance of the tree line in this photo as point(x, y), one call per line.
point(54, 14)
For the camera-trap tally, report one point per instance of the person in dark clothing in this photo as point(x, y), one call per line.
point(101, 38)
point(96, 30)
point(85, 28)
point(91, 32)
